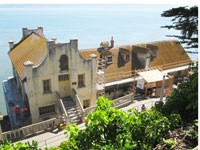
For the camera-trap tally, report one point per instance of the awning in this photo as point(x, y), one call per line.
point(152, 75)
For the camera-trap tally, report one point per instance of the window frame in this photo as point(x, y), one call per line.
point(46, 86)
point(81, 83)
point(46, 110)
point(63, 77)
point(109, 62)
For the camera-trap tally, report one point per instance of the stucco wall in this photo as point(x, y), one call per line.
point(49, 69)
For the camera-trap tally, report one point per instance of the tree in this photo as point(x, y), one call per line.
point(109, 128)
point(6, 145)
point(184, 99)
point(186, 21)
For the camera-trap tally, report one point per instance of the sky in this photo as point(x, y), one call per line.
point(186, 2)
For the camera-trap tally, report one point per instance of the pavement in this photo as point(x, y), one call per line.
point(50, 139)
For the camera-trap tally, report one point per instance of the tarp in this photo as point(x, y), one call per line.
point(152, 75)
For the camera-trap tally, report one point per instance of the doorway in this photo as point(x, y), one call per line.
point(64, 85)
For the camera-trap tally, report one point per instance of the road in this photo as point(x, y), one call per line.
point(50, 139)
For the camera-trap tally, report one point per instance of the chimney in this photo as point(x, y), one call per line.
point(54, 39)
point(24, 31)
point(111, 42)
point(148, 60)
point(28, 68)
point(39, 31)
point(11, 44)
point(51, 47)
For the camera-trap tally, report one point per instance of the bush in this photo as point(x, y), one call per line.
point(170, 143)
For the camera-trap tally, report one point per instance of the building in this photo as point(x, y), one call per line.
point(52, 77)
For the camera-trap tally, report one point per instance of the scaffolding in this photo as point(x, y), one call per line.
point(100, 76)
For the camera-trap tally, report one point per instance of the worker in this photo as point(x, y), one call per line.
point(25, 111)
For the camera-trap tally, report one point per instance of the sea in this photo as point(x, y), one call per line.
point(89, 23)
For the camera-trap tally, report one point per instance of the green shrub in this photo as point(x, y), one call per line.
point(170, 143)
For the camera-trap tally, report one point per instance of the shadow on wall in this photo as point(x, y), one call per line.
point(139, 55)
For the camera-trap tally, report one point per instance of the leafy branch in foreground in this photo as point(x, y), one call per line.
point(186, 21)
point(111, 128)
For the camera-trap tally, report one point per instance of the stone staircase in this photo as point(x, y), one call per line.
point(72, 110)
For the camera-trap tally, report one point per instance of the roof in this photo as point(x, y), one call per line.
point(85, 54)
point(151, 75)
point(33, 48)
point(169, 54)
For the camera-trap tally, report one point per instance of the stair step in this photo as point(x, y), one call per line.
point(72, 110)
point(73, 114)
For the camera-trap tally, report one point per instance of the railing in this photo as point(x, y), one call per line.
point(89, 109)
point(118, 103)
point(30, 130)
point(78, 103)
point(175, 64)
point(123, 101)
point(62, 108)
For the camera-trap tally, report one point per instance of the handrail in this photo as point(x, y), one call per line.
point(78, 103)
point(62, 108)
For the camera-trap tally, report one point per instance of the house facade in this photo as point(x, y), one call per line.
point(46, 71)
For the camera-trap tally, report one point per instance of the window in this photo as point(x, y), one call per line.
point(63, 77)
point(126, 57)
point(64, 62)
point(81, 80)
point(46, 86)
point(86, 103)
point(46, 110)
point(109, 59)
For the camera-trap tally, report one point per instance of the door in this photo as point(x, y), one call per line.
point(64, 85)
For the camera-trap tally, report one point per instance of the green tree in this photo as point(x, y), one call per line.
point(185, 20)
point(110, 128)
point(184, 99)
point(6, 145)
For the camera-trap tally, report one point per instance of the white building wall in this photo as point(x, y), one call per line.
point(49, 69)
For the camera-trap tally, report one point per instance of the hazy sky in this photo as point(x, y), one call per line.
point(186, 2)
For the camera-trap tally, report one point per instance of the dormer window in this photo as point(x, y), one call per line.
point(109, 59)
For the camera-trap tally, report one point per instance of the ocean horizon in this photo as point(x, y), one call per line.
point(89, 23)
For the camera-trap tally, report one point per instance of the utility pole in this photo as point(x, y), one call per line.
point(133, 86)
point(163, 88)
